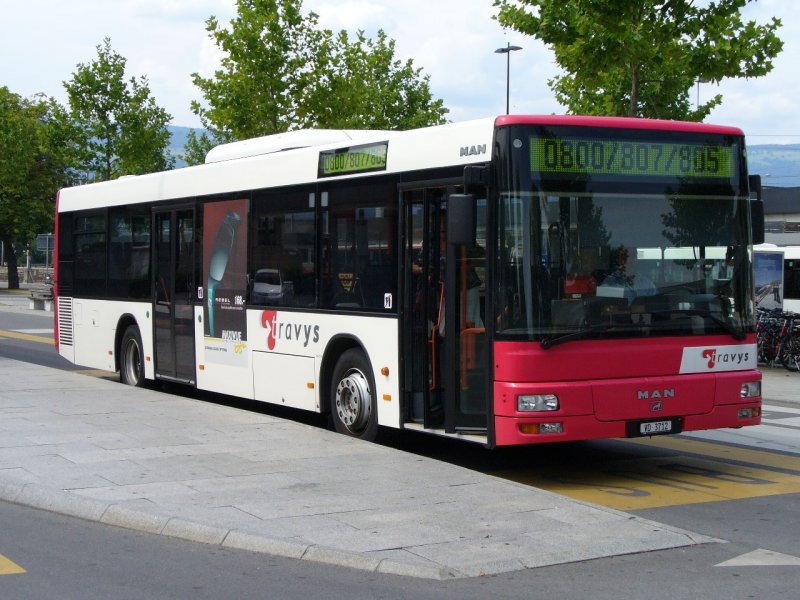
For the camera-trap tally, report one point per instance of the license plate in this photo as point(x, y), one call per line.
point(654, 427)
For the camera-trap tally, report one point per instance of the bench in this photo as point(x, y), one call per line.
point(41, 297)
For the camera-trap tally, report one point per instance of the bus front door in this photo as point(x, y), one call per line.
point(173, 295)
point(443, 332)
point(423, 345)
point(466, 351)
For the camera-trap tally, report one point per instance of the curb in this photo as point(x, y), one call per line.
point(88, 509)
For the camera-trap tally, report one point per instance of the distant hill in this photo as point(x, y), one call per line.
point(178, 141)
point(778, 164)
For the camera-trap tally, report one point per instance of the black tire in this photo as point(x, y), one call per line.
point(354, 406)
point(131, 358)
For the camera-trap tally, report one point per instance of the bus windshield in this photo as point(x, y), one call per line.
point(632, 234)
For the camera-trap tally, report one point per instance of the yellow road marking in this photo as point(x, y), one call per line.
point(27, 337)
point(720, 473)
point(732, 453)
point(671, 481)
point(8, 567)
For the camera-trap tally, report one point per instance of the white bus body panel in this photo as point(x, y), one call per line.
point(281, 359)
point(285, 380)
point(94, 328)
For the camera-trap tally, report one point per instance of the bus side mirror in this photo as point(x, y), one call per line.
point(756, 209)
point(461, 209)
point(757, 221)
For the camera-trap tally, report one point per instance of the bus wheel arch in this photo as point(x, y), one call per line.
point(349, 389)
point(130, 353)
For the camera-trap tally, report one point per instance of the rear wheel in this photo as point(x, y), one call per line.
point(131, 363)
point(354, 407)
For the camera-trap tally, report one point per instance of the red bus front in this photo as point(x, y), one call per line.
point(622, 283)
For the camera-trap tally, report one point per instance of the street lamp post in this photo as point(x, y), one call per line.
point(507, 51)
point(699, 81)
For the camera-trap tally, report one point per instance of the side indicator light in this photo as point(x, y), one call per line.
point(540, 428)
point(749, 413)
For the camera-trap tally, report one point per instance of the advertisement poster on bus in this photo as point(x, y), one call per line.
point(768, 269)
point(225, 281)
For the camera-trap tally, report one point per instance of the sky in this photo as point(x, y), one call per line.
point(43, 41)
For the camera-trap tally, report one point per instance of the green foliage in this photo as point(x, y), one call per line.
point(19, 139)
point(281, 72)
point(118, 126)
point(643, 57)
point(361, 85)
point(33, 166)
point(196, 148)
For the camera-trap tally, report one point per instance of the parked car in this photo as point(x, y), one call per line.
point(269, 287)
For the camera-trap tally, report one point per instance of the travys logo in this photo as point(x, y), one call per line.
point(278, 329)
point(702, 359)
point(735, 358)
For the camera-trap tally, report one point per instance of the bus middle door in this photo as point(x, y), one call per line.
point(173, 295)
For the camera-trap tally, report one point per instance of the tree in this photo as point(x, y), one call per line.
point(33, 166)
point(122, 130)
point(643, 57)
point(361, 85)
point(281, 72)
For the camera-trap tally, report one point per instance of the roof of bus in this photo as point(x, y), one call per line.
point(620, 122)
point(262, 164)
point(426, 148)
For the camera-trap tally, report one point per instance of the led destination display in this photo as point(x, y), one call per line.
point(356, 159)
point(634, 158)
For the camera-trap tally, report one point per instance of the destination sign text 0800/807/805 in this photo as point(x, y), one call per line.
point(356, 159)
point(631, 158)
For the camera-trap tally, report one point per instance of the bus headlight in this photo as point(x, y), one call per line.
point(537, 403)
point(751, 389)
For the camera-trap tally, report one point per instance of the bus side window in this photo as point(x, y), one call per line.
point(363, 248)
point(282, 266)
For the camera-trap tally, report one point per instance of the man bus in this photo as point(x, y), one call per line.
point(504, 335)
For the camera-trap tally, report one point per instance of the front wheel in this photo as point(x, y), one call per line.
point(131, 364)
point(354, 407)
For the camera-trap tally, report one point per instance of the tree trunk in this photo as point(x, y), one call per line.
point(11, 261)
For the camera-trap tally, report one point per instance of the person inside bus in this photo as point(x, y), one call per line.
point(623, 276)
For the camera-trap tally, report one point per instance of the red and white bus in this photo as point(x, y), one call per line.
point(516, 280)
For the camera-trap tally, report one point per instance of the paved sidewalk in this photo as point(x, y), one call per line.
point(204, 472)
point(779, 386)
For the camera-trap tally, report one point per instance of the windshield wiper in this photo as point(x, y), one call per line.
point(555, 340)
point(728, 326)
point(588, 332)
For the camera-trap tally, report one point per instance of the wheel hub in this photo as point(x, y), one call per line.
point(353, 400)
